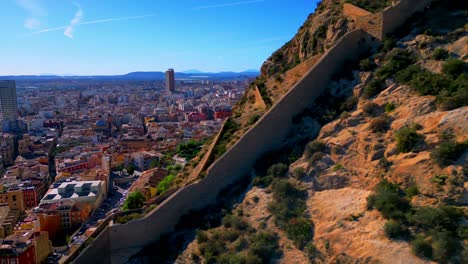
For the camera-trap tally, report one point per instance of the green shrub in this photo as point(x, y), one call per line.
point(127, 218)
point(300, 230)
point(315, 147)
point(444, 246)
point(448, 152)
point(439, 54)
point(390, 107)
point(263, 181)
point(439, 179)
point(394, 229)
point(288, 202)
point(299, 173)
point(421, 247)
point(278, 170)
point(165, 184)
point(407, 139)
point(412, 191)
point(316, 157)
point(373, 88)
point(454, 67)
point(253, 119)
point(201, 236)
point(338, 166)
point(265, 246)
point(366, 65)
point(388, 200)
point(234, 222)
point(134, 200)
point(397, 60)
point(442, 218)
point(190, 149)
point(370, 109)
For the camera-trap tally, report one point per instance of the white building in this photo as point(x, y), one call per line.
point(92, 192)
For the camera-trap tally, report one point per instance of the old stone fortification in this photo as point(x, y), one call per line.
point(119, 242)
point(385, 22)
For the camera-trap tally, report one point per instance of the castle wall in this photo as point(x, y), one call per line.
point(397, 15)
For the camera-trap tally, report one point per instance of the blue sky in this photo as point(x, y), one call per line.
point(88, 37)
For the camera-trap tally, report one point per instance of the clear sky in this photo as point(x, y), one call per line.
point(90, 37)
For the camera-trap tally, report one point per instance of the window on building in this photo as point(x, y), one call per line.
point(14, 197)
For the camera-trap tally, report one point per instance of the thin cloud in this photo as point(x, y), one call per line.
point(106, 20)
point(32, 23)
point(75, 21)
point(228, 4)
point(34, 10)
point(32, 7)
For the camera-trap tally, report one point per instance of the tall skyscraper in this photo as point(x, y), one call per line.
point(8, 102)
point(170, 81)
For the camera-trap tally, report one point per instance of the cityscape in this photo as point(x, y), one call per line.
point(70, 159)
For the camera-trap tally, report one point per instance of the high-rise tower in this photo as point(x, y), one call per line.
point(170, 81)
point(8, 102)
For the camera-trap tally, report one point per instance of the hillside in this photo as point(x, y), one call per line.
point(384, 179)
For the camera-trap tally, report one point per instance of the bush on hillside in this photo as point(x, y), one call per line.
point(439, 54)
point(300, 230)
point(315, 147)
point(395, 230)
point(288, 202)
point(448, 152)
point(388, 199)
point(421, 247)
point(454, 67)
point(373, 88)
point(278, 170)
point(396, 60)
point(390, 107)
point(407, 139)
point(165, 184)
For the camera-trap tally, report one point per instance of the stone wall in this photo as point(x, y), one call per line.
point(396, 16)
point(385, 22)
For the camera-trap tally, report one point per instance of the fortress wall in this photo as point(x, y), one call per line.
point(397, 15)
point(372, 24)
point(268, 134)
point(98, 251)
point(203, 162)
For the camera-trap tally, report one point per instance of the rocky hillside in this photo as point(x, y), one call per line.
point(385, 178)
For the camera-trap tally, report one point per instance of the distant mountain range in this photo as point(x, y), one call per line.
point(136, 76)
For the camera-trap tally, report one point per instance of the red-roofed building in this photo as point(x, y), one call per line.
point(222, 114)
point(195, 117)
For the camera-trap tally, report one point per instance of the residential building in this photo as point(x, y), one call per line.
point(17, 250)
point(92, 192)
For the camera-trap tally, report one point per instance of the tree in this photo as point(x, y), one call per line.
point(131, 169)
point(134, 200)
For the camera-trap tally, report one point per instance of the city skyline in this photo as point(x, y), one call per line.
point(104, 38)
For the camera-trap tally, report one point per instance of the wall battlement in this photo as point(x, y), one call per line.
point(269, 133)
